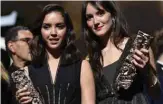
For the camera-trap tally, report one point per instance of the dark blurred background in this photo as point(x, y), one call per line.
point(140, 15)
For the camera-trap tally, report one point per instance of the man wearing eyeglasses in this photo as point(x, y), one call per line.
point(17, 44)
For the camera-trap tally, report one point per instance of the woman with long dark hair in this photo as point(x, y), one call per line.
point(107, 39)
point(57, 71)
point(5, 86)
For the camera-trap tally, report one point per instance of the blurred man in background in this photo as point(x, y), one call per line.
point(17, 44)
point(158, 48)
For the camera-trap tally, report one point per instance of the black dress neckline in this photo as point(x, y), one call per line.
point(106, 92)
point(120, 58)
point(111, 64)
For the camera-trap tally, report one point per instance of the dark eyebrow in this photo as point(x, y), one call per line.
point(101, 10)
point(61, 23)
point(46, 24)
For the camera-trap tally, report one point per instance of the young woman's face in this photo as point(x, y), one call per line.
point(53, 30)
point(99, 21)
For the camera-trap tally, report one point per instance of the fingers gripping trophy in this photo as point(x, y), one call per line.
point(21, 79)
point(127, 70)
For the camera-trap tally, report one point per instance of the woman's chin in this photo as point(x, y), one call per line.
point(54, 46)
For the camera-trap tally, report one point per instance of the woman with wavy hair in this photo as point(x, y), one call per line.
point(107, 39)
point(5, 86)
point(57, 71)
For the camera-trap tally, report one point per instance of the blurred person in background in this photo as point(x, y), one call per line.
point(17, 41)
point(158, 49)
point(6, 95)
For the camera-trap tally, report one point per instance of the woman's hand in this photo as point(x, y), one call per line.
point(141, 57)
point(22, 95)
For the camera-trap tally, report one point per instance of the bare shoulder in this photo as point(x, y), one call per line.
point(86, 72)
point(85, 65)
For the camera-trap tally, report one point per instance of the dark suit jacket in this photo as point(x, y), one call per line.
point(160, 76)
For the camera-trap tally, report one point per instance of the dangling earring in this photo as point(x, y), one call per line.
point(113, 23)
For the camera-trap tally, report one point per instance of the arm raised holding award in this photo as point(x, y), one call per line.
point(138, 57)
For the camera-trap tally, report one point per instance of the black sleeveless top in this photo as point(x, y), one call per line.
point(105, 90)
point(65, 90)
point(109, 71)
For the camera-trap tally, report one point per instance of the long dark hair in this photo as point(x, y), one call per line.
point(93, 42)
point(70, 52)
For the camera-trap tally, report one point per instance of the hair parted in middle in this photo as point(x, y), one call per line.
point(70, 52)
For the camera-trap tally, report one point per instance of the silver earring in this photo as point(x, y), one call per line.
point(113, 23)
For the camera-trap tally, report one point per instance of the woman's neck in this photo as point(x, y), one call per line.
point(53, 54)
point(106, 40)
point(108, 45)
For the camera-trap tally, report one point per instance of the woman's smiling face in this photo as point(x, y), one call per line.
point(98, 20)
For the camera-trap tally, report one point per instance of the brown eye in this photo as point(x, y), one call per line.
point(88, 17)
point(46, 26)
point(100, 13)
point(61, 25)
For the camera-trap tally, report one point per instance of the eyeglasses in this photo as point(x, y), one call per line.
point(27, 40)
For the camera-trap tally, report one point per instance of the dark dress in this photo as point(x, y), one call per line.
point(105, 90)
point(66, 88)
point(6, 94)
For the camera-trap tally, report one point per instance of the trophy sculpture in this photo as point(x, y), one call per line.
point(21, 80)
point(127, 69)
